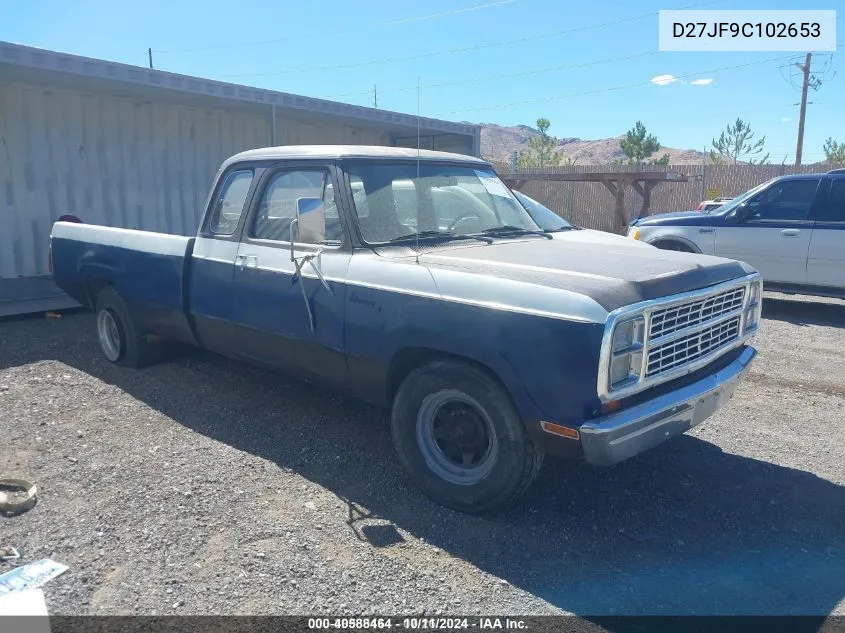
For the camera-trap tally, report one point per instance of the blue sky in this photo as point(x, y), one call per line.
point(339, 49)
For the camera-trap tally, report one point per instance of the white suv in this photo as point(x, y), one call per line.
point(791, 229)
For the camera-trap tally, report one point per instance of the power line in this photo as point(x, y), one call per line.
point(524, 73)
point(608, 89)
point(301, 35)
point(443, 14)
point(401, 21)
point(465, 49)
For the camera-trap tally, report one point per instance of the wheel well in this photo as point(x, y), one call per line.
point(408, 359)
point(93, 288)
point(672, 244)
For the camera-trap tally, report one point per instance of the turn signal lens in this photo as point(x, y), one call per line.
point(557, 429)
point(635, 233)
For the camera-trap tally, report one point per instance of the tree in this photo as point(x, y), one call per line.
point(736, 142)
point(638, 144)
point(834, 152)
point(542, 149)
point(663, 160)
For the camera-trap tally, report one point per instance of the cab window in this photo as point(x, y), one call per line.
point(277, 206)
point(229, 205)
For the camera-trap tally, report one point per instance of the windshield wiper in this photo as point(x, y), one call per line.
point(509, 228)
point(561, 228)
point(446, 234)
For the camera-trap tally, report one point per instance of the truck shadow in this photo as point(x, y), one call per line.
point(804, 311)
point(685, 528)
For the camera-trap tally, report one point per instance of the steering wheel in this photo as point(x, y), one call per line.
point(468, 214)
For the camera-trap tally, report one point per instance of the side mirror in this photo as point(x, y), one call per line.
point(739, 213)
point(311, 220)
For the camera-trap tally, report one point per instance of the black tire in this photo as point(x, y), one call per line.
point(674, 246)
point(132, 347)
point(515, 460)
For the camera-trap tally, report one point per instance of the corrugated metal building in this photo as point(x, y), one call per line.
point(132, 147)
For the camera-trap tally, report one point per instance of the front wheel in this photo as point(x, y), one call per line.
point(460, 438)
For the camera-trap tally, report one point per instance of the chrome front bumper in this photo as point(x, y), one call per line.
point(616, 437)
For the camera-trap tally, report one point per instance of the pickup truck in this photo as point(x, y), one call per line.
point(491, 342)
point(791, 229)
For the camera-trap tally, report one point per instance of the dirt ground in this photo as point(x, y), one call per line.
point(200, 485)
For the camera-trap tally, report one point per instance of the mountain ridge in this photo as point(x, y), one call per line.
point(498, 142)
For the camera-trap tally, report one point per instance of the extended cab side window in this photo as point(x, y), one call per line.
point(277, 207)
point(229, 205)
point(785, 200)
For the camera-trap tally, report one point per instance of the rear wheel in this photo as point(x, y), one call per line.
point(121, 340)
point(460, 438)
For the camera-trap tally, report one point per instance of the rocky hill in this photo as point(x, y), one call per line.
point(499, 142)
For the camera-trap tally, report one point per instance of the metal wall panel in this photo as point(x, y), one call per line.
point(122, 162)
point(108, 160)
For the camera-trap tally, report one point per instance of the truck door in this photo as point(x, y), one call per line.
point(213, 260)
point(826, 263)
point(277, 323)
point(773, 234)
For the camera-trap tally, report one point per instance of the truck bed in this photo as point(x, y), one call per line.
point(149, 270)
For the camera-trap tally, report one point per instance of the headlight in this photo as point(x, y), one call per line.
point(754, 295)
point(627, 352)
point(755, 306)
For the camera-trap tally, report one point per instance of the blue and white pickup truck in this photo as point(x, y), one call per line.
point(417, 280)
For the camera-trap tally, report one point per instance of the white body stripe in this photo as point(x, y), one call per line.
point(211, 249)
point(364, 269)
point(155, 243)
point(332, 262)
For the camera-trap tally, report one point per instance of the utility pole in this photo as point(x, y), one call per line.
point(804, 87)
point(150, 56)
point(375, 97)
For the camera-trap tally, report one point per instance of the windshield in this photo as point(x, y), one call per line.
point(733, 204)
point(396, 201)
point(547, 219)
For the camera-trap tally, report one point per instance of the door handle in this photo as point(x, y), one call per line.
point(706, 230)
point(248, 261)
point(790, 232)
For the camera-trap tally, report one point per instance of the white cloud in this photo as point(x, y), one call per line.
point(663, 80)
point(785, 119)
point(702, 82)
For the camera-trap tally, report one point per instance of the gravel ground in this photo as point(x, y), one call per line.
point(200, 485)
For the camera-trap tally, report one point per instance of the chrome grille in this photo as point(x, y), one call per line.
point(669, 320)
point(689, 348)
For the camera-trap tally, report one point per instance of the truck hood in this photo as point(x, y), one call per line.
point(597, 238)
point(613, 273)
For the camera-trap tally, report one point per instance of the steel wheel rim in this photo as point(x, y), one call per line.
point(456, 437)
point(109, 335)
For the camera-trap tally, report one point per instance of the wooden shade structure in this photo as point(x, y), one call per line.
point(616, 182)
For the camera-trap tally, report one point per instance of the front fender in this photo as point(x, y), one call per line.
point(703, 244)
point(548, 365)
